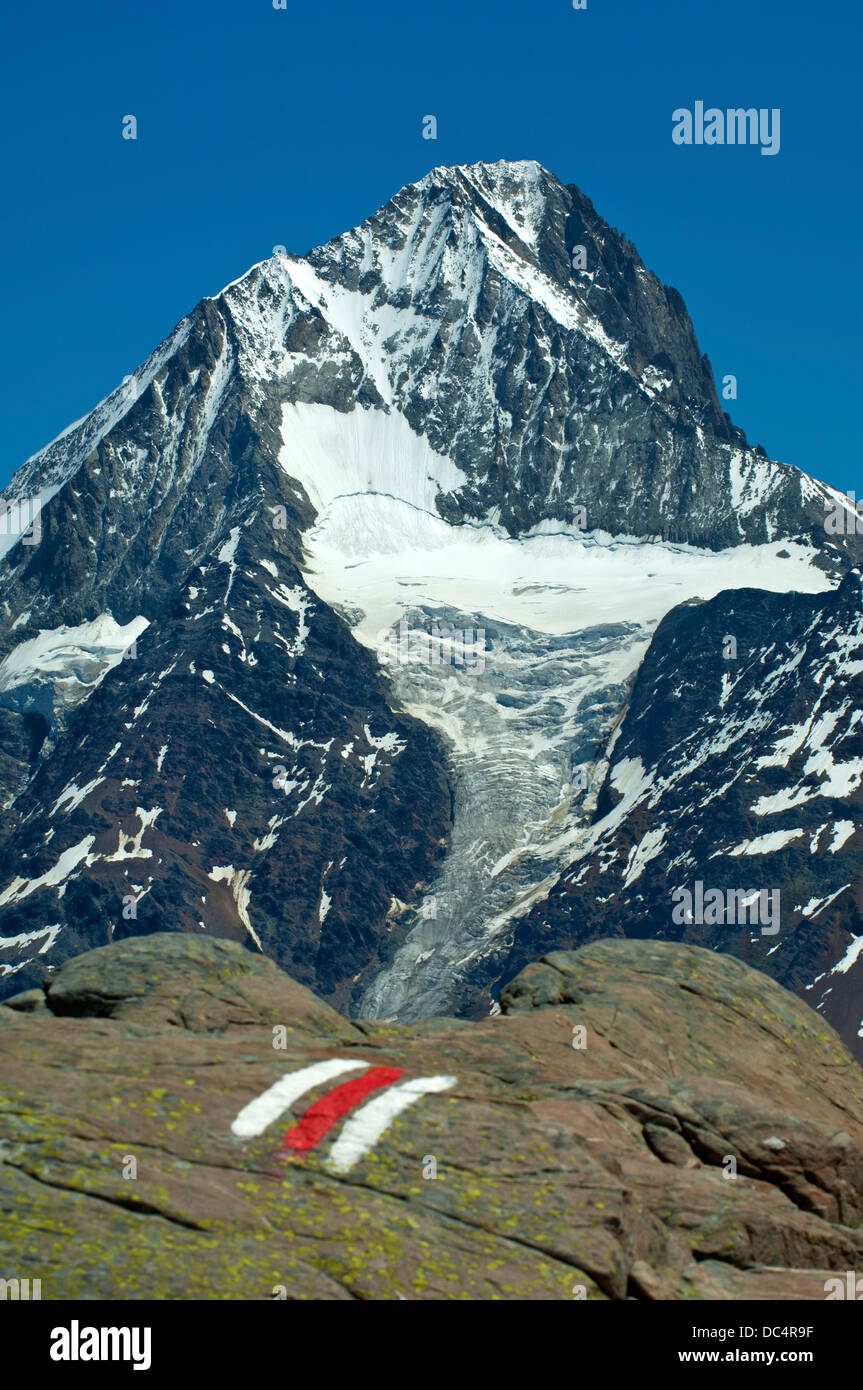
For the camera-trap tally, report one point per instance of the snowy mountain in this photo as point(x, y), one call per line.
point(328, 639)
point(741, 774)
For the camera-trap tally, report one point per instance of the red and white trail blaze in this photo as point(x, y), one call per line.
point(364, 1128)
point(320, 1118)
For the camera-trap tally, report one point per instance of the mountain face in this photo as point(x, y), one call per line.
point(568, 1149)
point(329, 638)
point(737, 773)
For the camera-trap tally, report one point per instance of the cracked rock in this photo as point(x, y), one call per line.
point(525, 1169)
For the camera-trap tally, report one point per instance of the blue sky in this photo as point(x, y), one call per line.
point(259, 126)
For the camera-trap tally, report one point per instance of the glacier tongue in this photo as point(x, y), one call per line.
point(542, 705)
point(566, 619)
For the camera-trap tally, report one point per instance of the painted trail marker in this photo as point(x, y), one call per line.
point(255, 1117)
point(320, 1118)
point(364, 1129)
point(365, 1126)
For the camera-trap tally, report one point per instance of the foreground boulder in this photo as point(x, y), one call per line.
point(643, 1120)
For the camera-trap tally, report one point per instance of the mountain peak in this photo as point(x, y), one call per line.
point(516, 189)
point(475, 408)
point(500, 175)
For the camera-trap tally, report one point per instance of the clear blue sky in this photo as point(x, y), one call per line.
point(259, 126)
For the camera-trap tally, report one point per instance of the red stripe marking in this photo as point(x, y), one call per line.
point(319, 1119)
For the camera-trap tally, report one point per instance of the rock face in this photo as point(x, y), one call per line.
point(159, 807)
point(737, 768)
point(477, 409)
point(602, 1170)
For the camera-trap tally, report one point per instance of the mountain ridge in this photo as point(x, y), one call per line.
point(432, 418)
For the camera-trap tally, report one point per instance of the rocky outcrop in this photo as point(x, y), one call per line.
point(643, 1120)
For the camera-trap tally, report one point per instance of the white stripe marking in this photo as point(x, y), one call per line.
point(260, 1112)
point(364, 1129)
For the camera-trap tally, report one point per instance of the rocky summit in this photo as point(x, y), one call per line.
point(417, 608)
point(640, 1121)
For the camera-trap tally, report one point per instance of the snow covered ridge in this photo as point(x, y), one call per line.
point(516, 189)
point(54, 464)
